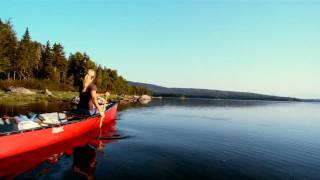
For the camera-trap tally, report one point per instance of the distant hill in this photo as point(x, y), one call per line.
point(207, 93)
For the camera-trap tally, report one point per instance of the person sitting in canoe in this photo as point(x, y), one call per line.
point(88, 96)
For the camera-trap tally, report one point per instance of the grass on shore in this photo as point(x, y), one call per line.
point(9, 98)
point(39, 96)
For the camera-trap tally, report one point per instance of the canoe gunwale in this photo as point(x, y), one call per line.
point(55, 125)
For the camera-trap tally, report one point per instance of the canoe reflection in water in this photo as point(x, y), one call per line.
point(85, 160)
point(39, 162)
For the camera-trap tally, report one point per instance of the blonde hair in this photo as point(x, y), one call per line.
point(88, 79)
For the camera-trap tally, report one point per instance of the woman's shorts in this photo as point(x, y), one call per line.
point(90, 112)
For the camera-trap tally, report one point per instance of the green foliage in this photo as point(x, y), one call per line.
point(36, 84)
point(59, 63)
point(46, 66)
point(30, 64)
point(8, 47)
point(25, 56)
point(77, 67)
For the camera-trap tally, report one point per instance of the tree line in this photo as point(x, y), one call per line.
point(27, 61)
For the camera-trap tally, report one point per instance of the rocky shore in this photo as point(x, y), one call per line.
point(144, 99)
point(24, 95)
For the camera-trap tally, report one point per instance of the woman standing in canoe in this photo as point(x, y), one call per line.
point(88, 96)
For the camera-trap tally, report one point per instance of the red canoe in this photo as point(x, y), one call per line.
point(15, 143)
point(11, 167)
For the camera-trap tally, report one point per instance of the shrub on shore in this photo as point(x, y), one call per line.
point(36, 84)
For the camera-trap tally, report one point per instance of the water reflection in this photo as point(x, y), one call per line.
point(203, 103)
point(85, 161)
point(44, 106)
point(188, 139)
point(37, 107)
point(212, 102)
point(41, 161)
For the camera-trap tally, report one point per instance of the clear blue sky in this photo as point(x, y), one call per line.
point(264, 46)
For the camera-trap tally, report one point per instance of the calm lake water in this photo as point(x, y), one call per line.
point(196, 139)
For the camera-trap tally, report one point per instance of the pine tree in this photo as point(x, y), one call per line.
point(36, 61)
point(78, 65)
point(99, 77)
point(8, 46)
point(47, 71)
point(25, 57)
point(60, 62)
point(77, 68)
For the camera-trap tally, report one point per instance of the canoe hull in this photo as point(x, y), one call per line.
point(14, 144)
point(12, 166)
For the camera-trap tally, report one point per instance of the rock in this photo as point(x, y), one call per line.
point(75, 100)
point(20, 90)
point(127, 99)
point(144, 99)
point(136, 98)
point(47, 92)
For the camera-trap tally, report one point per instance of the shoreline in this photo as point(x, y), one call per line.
point(7, 97)
point(228, 99)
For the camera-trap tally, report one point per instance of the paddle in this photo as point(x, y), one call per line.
point(114, 137)
point(101, 120)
